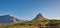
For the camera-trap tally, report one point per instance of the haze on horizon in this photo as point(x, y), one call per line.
point(28, 9)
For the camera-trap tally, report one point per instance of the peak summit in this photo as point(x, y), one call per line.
point(39, 17)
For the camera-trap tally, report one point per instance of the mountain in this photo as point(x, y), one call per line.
point(9, 19)
point(39, 17)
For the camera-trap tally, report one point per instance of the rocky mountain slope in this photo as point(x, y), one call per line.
point(9, 19)
point(39, 17)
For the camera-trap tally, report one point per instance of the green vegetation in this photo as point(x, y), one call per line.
point(36, 24)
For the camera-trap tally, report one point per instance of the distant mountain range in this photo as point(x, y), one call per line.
point(9, 19)
point(39, 21)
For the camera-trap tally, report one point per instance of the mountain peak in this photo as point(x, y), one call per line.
point(39, 17)
point(39, 14)
point(8, 19)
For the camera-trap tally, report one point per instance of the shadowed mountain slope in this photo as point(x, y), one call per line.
point(8, 19)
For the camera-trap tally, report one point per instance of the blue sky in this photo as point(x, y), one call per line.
point(28, 9)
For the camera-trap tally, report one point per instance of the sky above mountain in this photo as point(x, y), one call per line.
point(28, 9)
